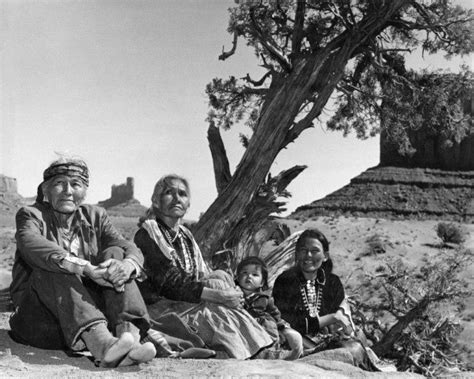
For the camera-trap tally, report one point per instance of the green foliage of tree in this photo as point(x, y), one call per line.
point(308, 51)
point(405, 100)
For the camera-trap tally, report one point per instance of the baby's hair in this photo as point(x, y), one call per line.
point(258, 262)
point(161, 185)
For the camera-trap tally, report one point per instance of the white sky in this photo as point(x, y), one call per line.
point(121, 84)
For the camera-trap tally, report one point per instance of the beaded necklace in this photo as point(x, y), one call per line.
point(311, 293)
point(186, 262)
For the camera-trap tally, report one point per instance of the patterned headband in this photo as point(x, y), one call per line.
point(68, 169)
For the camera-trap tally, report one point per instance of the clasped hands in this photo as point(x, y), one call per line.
point(110, 273)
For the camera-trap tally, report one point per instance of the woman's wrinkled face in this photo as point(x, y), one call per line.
point(65, 193)
point(250, 278)
point(310, 255)
point(174, 201)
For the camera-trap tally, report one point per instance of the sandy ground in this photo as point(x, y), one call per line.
point(19, 361)
point(413, 241)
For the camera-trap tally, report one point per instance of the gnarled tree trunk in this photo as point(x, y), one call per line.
point(319, 72)
point(216, 225)
point(242, 239)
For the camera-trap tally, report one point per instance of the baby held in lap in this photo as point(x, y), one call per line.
point(252, 276)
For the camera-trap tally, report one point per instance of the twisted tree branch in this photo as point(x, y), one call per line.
point(227, 54)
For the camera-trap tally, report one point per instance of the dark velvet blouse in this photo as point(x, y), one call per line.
point(288, 299)
point(164, 277)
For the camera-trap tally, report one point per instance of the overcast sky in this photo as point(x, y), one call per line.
point(121, 84)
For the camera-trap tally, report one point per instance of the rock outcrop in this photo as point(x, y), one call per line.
point(122, 202)
point(10, 199)
point(121, 193)
point(431, 152)
point(436, 182)
point(396, 192)
point(8, 186)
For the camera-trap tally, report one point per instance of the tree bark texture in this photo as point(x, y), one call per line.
point(219, 158)
point(242, 239)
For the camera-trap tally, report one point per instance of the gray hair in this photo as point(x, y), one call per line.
point(161, 186)
point(165, 182)
point(68, 165)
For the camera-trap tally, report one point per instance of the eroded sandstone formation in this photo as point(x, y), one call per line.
point(436, 182)
point(121, 193)
point(8, 185)
point(397, 192)
point(10, 199)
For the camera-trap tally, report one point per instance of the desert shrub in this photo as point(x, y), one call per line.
point(376, 244)
point(468, 317)
point(380, 268)
point(405, 322)
point(450, 233)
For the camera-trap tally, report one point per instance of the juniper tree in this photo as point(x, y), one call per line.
point(309, 51)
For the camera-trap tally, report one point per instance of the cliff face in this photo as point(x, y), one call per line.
point(436, 182)
point(395, 192)
point(431, 152)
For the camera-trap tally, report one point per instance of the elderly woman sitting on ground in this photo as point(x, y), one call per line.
point(73, 275)
point(180, 281)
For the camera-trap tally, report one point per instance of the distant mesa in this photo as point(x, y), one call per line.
point(10, 199)
point(398, 192)
point(122, 202)
point(8, 185)
point(121, 193)
point(437, 182)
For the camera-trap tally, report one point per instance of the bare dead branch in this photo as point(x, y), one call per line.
point(254, 91)
point(257, 83)
point(284, 178)
point(227, 54)
point(392, 336)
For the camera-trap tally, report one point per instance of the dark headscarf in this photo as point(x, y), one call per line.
point(72, 168)
point(78, 169)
